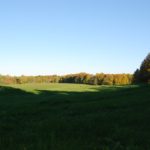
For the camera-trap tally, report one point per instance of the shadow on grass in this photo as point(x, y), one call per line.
point(111, 96)
point(106, 118)
point(6, 90)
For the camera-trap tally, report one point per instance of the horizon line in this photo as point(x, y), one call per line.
point(64, 74)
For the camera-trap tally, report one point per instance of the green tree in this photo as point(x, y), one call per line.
point(136, 76)
point(143, 75)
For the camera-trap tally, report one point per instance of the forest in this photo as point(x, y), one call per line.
point(81, 78)
point(141, 75)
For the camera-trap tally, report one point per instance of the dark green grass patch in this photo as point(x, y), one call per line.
point(74, 117)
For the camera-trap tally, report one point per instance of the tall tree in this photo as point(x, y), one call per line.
point(144, 74)
point(136, 76)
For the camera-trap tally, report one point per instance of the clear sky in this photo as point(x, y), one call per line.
point(70, 36)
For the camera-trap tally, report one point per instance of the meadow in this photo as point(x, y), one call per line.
point(74, 117)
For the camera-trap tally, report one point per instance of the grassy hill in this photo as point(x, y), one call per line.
point(74, 117)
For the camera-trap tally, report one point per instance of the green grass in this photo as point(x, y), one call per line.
point(74, 117)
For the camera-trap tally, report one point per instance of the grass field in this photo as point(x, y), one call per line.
point(74, 117)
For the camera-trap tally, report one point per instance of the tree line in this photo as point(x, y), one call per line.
point(141, 75)
point(80, 78)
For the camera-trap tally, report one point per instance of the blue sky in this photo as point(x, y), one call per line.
point(70, 36)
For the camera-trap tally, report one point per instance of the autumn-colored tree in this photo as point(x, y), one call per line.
point(81, 78)
point(93, 80)
point(100, 78)
point(108, 79)
point(124, 79)
point(117, 79)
